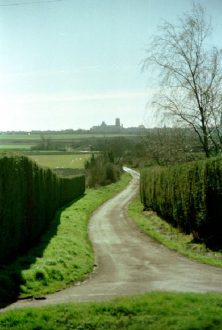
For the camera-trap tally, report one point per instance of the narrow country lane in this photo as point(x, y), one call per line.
point(128, 262)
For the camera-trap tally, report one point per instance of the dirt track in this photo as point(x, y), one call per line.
point(129, 262)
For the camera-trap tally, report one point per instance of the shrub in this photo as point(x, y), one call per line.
point(101, 170)
point(189, 196)
point(29, 199)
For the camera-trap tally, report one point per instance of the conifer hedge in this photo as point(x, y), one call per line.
point(29, 199)
point(189, 196)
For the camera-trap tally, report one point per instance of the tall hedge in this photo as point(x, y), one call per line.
point(189, 196)
point(29, 199)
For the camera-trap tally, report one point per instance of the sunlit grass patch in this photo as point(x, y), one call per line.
point(154, 311)
point(61, 160)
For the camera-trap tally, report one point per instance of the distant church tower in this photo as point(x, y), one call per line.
point(117, 122)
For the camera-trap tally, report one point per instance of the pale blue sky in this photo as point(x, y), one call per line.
point(73, 63)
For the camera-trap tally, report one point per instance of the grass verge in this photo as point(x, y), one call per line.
point(171, 237)
point(64, 254)
point(174, 311)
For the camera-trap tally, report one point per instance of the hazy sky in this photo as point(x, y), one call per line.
point(73, 63)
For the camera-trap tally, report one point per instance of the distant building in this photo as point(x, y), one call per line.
point(117, 122)
point(117, 128)
point(104, 128)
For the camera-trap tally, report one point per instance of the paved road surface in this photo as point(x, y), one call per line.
point(129, 262)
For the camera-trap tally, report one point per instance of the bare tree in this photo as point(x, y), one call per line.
point(191, 76)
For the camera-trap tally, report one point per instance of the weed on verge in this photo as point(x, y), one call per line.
point(171, 237)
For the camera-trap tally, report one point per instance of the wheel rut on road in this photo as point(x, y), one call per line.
point(129, 262)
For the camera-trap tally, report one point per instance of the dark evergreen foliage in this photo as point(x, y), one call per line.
point(29, 199)
point(189, 196)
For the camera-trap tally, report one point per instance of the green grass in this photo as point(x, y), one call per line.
point(154, 311)
point(171, 237)
point(61, 160)
point(64, 254)
point(17, 146)
point(54, 136)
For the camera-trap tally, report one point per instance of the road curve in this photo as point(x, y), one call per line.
point(129, 262)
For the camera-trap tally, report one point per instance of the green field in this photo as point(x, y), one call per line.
point(61, 160)
point(54, 136)
point(18, 146)
point(38, 136)
point(25, 141)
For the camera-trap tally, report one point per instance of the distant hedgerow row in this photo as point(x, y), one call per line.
point(29, 199)
point(189, 196)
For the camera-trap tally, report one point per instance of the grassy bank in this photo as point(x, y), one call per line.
point(163, 232)
point(64, 254)
point(154, 311)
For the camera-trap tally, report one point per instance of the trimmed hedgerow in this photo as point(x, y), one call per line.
point(189, 196)
point(29, 199)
